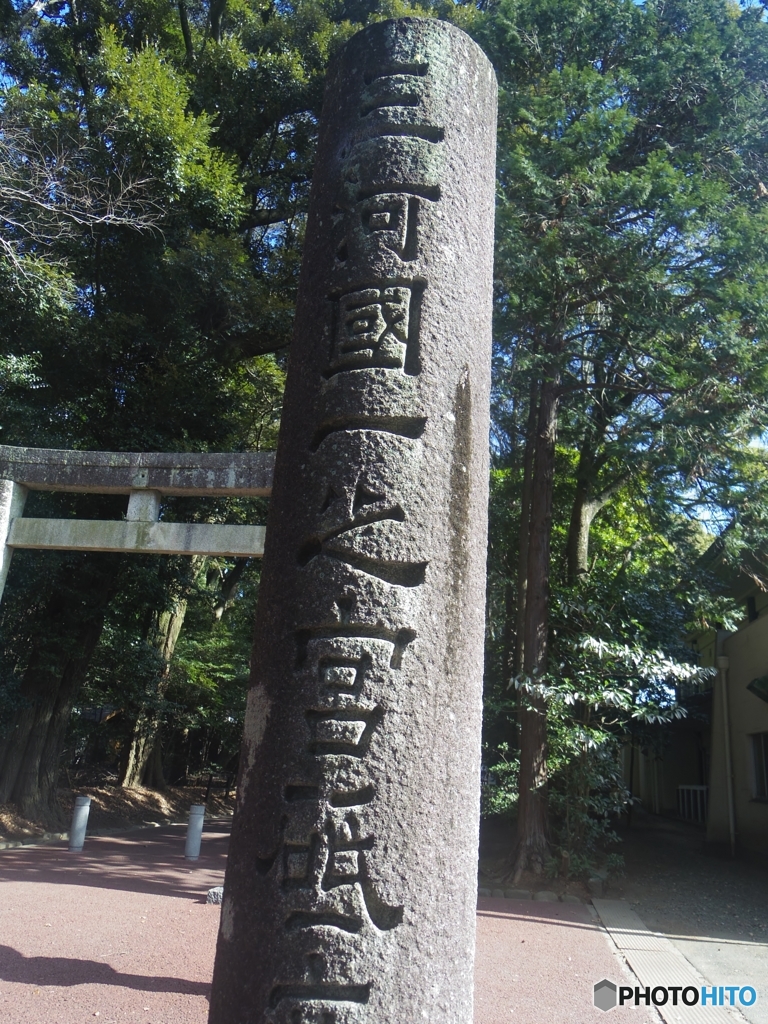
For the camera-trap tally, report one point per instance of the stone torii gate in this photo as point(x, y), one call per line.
point(145, 477)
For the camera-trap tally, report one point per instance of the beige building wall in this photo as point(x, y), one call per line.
point(747, 653)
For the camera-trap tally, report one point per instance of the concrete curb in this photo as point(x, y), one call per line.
point(543, 896)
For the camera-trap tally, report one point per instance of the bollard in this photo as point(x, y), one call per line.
point(79, 823)
point(194, 831)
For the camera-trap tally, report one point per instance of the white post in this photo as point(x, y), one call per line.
point(194, 831)
point(79, 823)
point(12, 498)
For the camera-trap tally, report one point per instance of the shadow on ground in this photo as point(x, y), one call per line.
point(680, 885)
point(146, 861)
point(562, 915)
point(65, 972)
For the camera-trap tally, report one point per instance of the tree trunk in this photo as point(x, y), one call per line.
point(532, 848)
point(143, 762)
point(35, 789)
point(587, 502)
point(525, 527)
point(590, 497)
point(577, 551)
point(55, 671)
point(186, 34)
point(138, 752)
point(509, 640)
point(582, 513)
point(38, 691)
point(154, 778)
point(229, 585)
point(216, 13)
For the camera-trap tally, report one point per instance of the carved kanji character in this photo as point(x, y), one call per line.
point(346, 864)
point(372, 329)
point(343, 730)
point(360, 522)
point(392, 98)
point(380, 224)
point(329, 868)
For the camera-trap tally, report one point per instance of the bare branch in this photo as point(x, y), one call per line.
point(49, 192)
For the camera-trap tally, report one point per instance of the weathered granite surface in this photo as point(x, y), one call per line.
point(360, 767)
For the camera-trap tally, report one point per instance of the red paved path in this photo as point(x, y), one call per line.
point(120, 934)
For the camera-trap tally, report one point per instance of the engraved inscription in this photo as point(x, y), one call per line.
point(328, 838)
point(392, 162)
point(376, 327)
point(326, 991)
point(394, 93)
point(321, 991)
point(331, 867)
point(346, 759)
point(391, 91)
point(339, 515)
point(399, 639)
point(325, 846)
point(414, 68)
point(372, 329)
point(312, 1015)
point(379, 224)
point(365, 536)
point(365, 517)
point(391, 220)
point(387, 84)
point(402, 426)
point(306, 1000)
point(345, 730)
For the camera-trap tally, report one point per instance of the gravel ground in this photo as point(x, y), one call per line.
point(714, 909)
point(678, 887)
point(121, 935)
point(537, 963)
point(673, 880)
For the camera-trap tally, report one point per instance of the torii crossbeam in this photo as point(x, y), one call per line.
point(145, 477)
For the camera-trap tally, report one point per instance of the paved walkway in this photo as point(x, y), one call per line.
point(713, 910)
point(537, 963)
point(121, 935)
point(117, 934)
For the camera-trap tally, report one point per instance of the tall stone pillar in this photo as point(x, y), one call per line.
point(350, 891)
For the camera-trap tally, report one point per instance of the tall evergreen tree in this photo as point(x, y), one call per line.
point(631, 305)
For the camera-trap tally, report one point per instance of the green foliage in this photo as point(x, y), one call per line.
point(498, 794)
point(210, 674)
point(155, 165)
point(158, 159)
point(630, 269)
point(200, 706)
